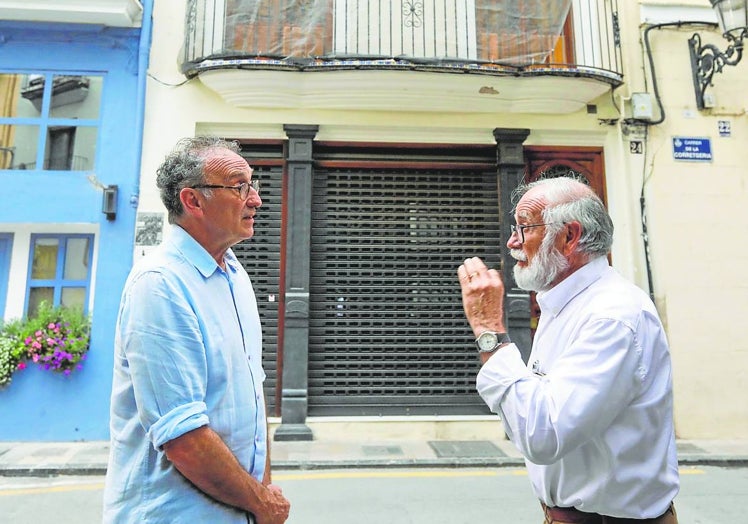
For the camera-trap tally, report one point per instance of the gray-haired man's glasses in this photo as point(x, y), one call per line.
point(242, 188)
point(519, 229)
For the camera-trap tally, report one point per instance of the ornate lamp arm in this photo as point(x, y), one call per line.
point(707, 59)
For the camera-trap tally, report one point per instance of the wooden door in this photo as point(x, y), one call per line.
point(584, 162)
point(550, 162)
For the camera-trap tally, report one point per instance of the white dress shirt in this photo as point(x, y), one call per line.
point(592, 411)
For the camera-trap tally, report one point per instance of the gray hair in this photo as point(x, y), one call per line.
point(184, 167)
point(570, 199)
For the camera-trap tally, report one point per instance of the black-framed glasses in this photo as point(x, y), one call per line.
point(242, 188)
point(519, 229)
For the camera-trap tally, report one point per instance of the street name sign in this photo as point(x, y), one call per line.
point(694, 149)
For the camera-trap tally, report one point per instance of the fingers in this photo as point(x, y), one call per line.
point(277, 507)
point(473, 268)
point(482, 295)
point(474, 265)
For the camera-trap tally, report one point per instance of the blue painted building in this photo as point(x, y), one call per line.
point(72, 90)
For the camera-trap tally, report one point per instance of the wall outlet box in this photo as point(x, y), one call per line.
point(642, 107)
point(710, 101)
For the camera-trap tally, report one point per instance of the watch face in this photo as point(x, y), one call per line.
point(487, 341)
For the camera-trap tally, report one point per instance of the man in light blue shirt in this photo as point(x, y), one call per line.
point(188, 424)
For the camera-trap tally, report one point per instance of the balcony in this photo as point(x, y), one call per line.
point(535, 56)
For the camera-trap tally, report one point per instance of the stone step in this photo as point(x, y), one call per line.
point(366, 429)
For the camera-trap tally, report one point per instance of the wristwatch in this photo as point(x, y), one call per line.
point(489, 341)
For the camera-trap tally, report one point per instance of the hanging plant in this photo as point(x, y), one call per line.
point(56, 339)
point(8, 360)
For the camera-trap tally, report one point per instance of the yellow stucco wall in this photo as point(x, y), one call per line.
point(697, 212)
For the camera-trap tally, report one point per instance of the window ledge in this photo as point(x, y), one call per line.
point(113, 13)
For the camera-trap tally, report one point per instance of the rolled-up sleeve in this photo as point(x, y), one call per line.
point(163, 346)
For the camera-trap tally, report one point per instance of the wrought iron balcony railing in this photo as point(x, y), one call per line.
point(565, 37)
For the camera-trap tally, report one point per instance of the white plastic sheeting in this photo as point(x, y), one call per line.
point(513, 32)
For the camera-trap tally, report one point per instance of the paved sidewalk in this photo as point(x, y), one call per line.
point(90, 458)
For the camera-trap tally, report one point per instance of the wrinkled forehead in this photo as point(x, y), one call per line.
point(530, 206)
point(225, 164)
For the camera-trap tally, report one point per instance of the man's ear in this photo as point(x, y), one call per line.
point(190, 201)
point(573, 233)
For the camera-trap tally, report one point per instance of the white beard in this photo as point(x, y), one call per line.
point(545, 267)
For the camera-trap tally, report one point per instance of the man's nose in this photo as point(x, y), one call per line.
point(254, 200)
point(513, 241)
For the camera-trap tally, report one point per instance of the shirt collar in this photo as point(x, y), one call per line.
point(197, 254)
point(556, 298)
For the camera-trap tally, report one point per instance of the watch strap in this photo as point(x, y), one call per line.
point(501, 339)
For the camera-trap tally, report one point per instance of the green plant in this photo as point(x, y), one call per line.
point(8, 357)
point(56, 339)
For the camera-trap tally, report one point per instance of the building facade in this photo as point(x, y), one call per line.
point(73, 90)
point(388, 136)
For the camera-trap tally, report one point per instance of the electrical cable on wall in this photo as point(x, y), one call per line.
point(646, 123)
point(650, 60)
point(643, 211)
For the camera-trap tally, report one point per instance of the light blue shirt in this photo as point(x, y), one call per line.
point(188, 351)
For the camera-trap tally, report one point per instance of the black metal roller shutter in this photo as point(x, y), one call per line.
point(260, 256)
point(387, 330)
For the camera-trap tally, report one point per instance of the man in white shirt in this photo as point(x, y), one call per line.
point(592, 410)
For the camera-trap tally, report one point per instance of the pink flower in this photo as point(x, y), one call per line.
point(50, 325)
point(22, 365)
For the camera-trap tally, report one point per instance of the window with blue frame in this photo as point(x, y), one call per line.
point(59, 271)
point(49, 120)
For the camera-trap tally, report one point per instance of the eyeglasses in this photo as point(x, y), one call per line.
point(242, 188)
point(519, 229)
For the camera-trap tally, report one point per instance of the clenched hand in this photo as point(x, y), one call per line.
point(482, 296)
